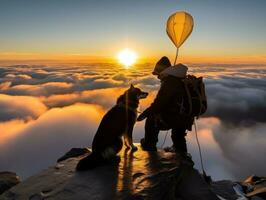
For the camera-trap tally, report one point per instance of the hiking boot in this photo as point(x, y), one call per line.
point(147, 147)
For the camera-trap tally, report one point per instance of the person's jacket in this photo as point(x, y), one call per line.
point(169, 100)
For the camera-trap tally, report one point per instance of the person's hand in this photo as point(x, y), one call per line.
point(141, 117)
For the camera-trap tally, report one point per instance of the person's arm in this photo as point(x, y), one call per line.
point(144, 114)
point(160, 102)
point(163, 97)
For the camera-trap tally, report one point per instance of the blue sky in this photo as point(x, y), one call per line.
point(103, 27)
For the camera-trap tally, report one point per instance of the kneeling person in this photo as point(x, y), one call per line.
point(166, 110)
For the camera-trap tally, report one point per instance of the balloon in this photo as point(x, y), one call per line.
point(179, 27)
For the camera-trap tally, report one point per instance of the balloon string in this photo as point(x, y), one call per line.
point(176, 55)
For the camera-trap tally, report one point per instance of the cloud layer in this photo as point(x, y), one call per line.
point(20, 107)
point(39, 143)
point(46, 110)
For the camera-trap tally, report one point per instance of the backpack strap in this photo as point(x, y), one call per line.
point(188, 95)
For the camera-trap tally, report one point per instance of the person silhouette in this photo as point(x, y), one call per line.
point(166, 111)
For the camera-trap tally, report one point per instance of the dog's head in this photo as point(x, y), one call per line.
point(136, 92)
point(132, 96)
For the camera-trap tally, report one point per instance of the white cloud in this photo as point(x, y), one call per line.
point(22, 107)
point(37, 144)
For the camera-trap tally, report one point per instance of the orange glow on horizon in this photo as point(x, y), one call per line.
point(84, 58)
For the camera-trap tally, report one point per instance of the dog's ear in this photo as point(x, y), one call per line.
point(132, 86)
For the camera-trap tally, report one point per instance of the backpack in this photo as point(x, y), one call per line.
point(195, 103)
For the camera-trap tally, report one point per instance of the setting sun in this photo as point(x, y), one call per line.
point(127, 57)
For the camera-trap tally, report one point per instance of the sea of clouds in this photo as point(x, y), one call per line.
point(47, 109)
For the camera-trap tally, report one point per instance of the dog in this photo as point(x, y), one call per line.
point(118, 122)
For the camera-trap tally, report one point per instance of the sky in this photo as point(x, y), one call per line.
point(229, 31)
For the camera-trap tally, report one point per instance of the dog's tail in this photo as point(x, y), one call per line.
point(89, 162)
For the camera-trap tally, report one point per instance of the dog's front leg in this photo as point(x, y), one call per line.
point(128, 137)
point(126, 141)
point(129, 143)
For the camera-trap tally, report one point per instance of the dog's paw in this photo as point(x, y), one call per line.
point(134, 148)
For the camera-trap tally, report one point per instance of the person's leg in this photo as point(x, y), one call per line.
point(151, 134)
point(179, 140)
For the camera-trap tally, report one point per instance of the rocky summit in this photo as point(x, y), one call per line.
point(135, 176)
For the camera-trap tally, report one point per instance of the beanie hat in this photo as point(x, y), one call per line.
point(161, 65)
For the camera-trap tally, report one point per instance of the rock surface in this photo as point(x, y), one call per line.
point(8, 180)
point(138, 175)
point(74, 152)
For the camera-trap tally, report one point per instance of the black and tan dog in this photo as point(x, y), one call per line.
point(117, 122)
